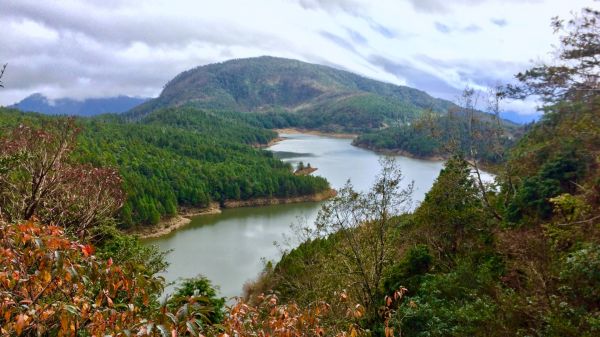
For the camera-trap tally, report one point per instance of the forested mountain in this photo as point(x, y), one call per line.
point(518, 118)
point(270, 92)
point(316, 96)
point(88, 107)
point(178, 157)
point(433, 136)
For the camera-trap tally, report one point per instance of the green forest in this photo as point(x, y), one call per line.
point(431, 136)
point(179, 157)
point(271, 93)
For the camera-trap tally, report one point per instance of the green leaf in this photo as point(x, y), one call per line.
point(163, 330)
point(191, 328)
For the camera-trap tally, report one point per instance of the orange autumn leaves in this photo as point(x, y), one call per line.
point(52, 285)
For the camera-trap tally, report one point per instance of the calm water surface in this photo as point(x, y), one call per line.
point(230, 248)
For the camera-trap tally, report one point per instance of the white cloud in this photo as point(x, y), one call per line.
point(441, 6)
point(98, 48)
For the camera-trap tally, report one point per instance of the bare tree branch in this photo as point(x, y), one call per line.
point(2, 74)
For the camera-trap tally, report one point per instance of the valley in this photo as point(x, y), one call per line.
point(334, 195)
point(231, 247)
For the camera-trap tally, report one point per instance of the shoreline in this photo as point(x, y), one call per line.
point(317, 133)
point(270, 143)
point(354, 136)
point(492, 169)
point(403, 153)
point(305, 171)
point(257, 202)
point(183, 218)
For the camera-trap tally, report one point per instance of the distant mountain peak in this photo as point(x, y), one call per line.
point(38, 97)
point(38, 102)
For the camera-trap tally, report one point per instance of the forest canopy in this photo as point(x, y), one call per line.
point(178, 158)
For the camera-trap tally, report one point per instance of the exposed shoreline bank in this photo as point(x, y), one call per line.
point(493, 169)
point(270, 143)
point(257, 202)
point(166, 226)
point(185, 216)
point(305, 171)
point(316, 133)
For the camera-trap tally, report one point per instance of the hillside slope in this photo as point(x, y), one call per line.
point(178, 158)
point(318, 96)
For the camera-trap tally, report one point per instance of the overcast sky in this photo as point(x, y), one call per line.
point(92, 48)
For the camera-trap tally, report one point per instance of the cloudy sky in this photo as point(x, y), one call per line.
point(90, 48)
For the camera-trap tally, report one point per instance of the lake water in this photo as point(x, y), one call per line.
point(230, 248)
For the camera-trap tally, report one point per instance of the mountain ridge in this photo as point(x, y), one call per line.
point(270, 84)
point(37, 102)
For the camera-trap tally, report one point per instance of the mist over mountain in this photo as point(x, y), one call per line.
point(88, 107)
point(519, 118)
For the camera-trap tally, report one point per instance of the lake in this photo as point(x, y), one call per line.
point(231, 248)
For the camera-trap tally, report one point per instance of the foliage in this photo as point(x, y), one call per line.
point(127, 249)
point(451, 268)
point(581, 270)
point(451, 304)
point(225, 128)
point(530, 278)
point(534, 272)
point(350, 248)
point(556, 176)
point(38, 179)
point(281, 319)
point(51, 285)
point(411, 139)
point(574, 75)
point(432, 135)
point(441, 236)
point(364, 223)
point(299, 274)
point(408, 272)
point(199, 287)
point(191, 158)
point(450, 218)
point(520, 259)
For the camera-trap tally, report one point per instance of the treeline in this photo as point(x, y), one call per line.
point(437, 136)
point(346, 112)
point(222, 127)
point(180, 159)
